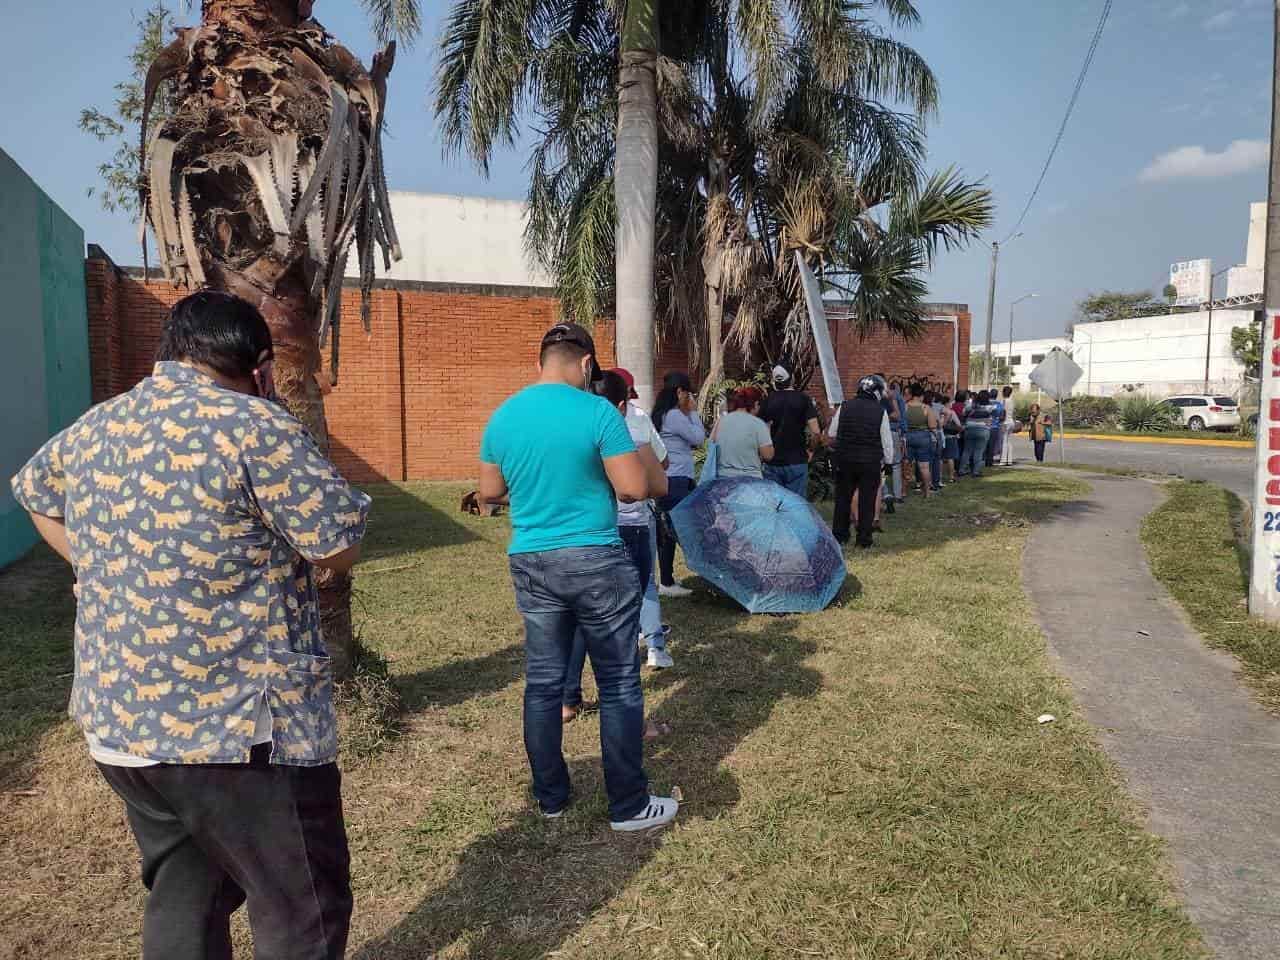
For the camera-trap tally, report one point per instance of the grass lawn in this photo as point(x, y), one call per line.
point(1193, 547)
point(869, 782)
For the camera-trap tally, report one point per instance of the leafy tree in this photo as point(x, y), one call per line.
point(1170, 293)
point(1116, 305)
point(121, 178)
point(1246, 346)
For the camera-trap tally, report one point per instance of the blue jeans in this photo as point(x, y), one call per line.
point(975, 448)
point(795, 477)
point(651, 629)
point(636, 540)
point(594, 589)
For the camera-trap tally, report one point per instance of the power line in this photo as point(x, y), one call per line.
point(1071, 105)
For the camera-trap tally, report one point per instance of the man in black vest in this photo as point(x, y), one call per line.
point(864, 444)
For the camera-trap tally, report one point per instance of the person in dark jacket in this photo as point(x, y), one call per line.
point(863, 445)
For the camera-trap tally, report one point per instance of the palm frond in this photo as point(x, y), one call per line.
point(947, 212)
point(399, 20)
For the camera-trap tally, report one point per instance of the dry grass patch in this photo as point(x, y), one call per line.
point(869, 782)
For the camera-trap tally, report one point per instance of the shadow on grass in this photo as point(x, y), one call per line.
point(404, 522)
point(461, 680)
point(523, 891)
point(37, 621)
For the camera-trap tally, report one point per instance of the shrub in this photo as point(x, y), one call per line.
point(1090, 411)
point(1141, 412)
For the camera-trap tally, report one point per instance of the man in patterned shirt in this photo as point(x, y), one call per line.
point(192, 509)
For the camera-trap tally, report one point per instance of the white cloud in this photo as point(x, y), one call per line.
point(1196, 162)
point(1222, 18)
point(1179, 11)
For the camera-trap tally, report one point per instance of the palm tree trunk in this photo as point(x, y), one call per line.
point(636, 193)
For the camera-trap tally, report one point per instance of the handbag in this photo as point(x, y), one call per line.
point(1048, 434)
point(710, 466)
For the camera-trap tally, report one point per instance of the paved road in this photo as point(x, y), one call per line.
point(1195, 747)
point(1230, 467)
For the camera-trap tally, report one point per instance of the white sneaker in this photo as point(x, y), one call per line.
point(675, 590)
point(660, 659)
point(659, 812)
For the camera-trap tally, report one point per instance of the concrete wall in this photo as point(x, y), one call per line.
point(448, 239)
point(1159, 355)
point(44, 366)
point(1024, 354)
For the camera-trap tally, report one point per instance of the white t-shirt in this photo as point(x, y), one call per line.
point(641, 429)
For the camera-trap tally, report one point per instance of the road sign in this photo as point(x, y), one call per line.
point(1056, 374)
point(821, 333)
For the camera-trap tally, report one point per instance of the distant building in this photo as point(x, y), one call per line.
point(1246, 279)
point(1022, 356)
point(460, 240)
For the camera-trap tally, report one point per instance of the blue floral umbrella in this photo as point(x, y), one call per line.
point(762, 544)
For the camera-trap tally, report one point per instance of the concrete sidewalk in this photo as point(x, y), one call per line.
point(1170, 712)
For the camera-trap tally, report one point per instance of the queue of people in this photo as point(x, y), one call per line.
point(195, 511)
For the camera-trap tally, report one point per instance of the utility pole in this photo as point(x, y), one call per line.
point(1029, 296)
point(1264, 580)
point(1208, 340)
point(991, 311)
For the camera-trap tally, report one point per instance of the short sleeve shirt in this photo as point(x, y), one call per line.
point(192, 512)
point(788, 413)
point(740, 438)
point(550, 442)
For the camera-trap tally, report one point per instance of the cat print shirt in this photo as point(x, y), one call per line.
point(192, 512)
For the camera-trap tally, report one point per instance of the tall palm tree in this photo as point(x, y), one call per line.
point(258, 182)
point(773, 136)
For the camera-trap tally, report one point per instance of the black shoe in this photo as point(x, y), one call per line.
point(864, 546)
point(889, 507)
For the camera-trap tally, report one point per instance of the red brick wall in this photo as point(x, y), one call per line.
point(413, 396)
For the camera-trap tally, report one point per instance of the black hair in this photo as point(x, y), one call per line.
point(669, 396)
point(216, 330)
point(564, 351)
point(1008, 392)
point(983, 396)
point(612, 387)
point(962, 396)
point(915, 390)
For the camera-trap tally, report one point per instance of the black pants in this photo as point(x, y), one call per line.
point(865, 479)
point(215, 836)
point(1039, 445)
point(677, 489)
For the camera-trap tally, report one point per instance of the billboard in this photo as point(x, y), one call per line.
point(1193, 279)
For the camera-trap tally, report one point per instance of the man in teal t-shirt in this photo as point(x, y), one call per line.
point(563, 458)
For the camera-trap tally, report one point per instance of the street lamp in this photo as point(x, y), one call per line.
point(1208, 340)
point(1029, 296)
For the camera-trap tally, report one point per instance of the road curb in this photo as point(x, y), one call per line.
point(1179, 441)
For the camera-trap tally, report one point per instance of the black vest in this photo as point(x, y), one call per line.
point(858, 435)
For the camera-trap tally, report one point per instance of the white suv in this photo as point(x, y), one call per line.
point(1206, 412)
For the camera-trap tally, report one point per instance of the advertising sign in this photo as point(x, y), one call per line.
point(1264, 584)
point(1193, 280)
point(821, 333)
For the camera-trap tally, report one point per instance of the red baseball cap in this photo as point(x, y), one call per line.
point(629, 380)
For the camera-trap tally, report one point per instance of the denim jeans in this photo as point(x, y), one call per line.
point(594, 589)
point(677, 489)
point(651, 629)
point(795, 477)
point(636, 540)
point(975, 448)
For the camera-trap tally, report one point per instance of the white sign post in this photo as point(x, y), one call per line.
point(1056, 374)
point(821, 333)
point(1264, 582)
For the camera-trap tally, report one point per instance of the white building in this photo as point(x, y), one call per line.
point(1160, 355)
point(447, 239)
point(1246, 280)
point(1022, 356)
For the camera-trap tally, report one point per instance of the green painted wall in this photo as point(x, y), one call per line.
point(44, 362)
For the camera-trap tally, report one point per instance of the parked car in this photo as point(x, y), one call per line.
point(1206, 412)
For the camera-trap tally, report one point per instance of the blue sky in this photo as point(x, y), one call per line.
point(1182, 80)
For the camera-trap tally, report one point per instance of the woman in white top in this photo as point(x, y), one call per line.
point(744, 439)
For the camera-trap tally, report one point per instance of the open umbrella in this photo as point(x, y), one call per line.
point(762, 544)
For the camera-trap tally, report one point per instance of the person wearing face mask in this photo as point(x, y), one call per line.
point(564, 459)
point(193, 512)
point(676, 418)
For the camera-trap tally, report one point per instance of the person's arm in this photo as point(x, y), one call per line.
point(655, 474)
point(493, 485)
point(886, 438)
point(687, 426)
point(342, 561)
point(54, 532)
point(627, 476)
point(765, 441)
point(933, 420)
